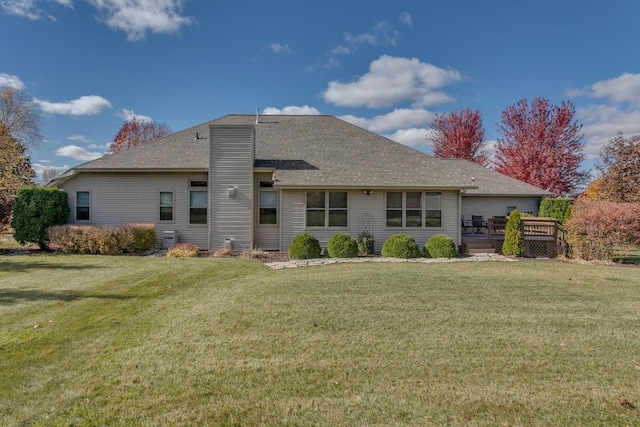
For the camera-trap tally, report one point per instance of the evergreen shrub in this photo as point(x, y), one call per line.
point(514, 235)
point(400, 246)
point(342, 245)
point(555, 208)
point(35, 210)
point(304, 246)
point(440, 246)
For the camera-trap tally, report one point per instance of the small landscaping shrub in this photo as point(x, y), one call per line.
point(440, 246)
point(366, 243)
point(222, 252)
point(400, 246)
point(182, 250)
point(555, 208)
point(304, 246)
point(342, 245)
point(514, 235)
point(103, 240)
point(35, 210)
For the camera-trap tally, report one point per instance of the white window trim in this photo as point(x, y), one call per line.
point(197, 190)
point(273, 190)
point(86, 221)
point(173, 206)
point(326, 211)
point(423, 210)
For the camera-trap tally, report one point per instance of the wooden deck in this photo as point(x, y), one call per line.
point(543, 237)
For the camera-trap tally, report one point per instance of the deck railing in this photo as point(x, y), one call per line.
point(543, 236)
point(533, 227)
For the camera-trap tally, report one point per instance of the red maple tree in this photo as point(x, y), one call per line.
point(541, 145)
point(459, 134)
point(135, 132)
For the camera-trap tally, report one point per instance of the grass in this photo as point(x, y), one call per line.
point(90, 340)
point(627, 254)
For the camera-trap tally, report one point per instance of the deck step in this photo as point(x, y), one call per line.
point(488, 250)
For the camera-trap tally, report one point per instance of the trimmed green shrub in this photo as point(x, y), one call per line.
point(183, 250)
point(400, 246)
point(366, 243)
point(35, 210)
point(440, 246)
point(342, 245)
point(304, 246)
point(555, 208)
point(514, 235)
point(93, 239)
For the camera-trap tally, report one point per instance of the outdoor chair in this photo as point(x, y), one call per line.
point(478, 222)
point(466, 224)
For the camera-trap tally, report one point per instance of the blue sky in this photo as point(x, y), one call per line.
point(386, 66)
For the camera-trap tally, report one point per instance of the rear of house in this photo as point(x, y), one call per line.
point(259, 183)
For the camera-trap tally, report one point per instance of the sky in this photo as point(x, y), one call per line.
point(387, 66)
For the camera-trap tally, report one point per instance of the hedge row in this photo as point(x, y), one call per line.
point(92, 239)
point(341, 245)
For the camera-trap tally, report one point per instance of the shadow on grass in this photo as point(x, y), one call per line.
point(13, 296)
point(8, 265)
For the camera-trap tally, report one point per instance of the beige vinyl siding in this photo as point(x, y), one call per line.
point(266, 237)
point(122, 198)
point(231, 165)
point(359, 204)
point(497, 206)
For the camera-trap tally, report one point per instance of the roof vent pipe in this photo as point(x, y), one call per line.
point(257, 115)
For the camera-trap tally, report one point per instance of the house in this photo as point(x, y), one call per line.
point(250, 181)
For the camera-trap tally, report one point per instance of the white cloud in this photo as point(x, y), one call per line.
point(77, 153)
point(29, 9)
point(621, 113)
point(340, 51)
point(8, 80)
point(130, 115)
point(279, 48)
point(80, 138)
point(406, 19)
point(359, 39)
point(90, 105)
point(292, 110)
point(400, 118)
point(106, 146)
point(137, 17)
point(391, 80)
point(621, 89)
point(602, 122)
point(413, 137)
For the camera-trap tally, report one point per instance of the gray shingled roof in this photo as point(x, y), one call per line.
point(317, 151)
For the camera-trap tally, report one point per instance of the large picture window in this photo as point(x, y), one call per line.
point(327, 209)
point(413, 209)
point(166, 206)
point(83, 206)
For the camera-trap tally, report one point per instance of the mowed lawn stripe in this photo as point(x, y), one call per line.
point(140, 341)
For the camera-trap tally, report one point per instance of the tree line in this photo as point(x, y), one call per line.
point(541, 144)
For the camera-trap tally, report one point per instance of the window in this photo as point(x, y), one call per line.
point(433, 211)
point(166, 206)
point(407, 209)
point(414, 209)
point(197, 207)
point(268, 209)
point(327, 209)
point(510, 209)
point(83, 206)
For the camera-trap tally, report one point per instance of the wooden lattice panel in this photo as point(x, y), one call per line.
point(538, 249)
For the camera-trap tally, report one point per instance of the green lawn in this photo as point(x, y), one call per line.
point(627, 254)
point(90, 340)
